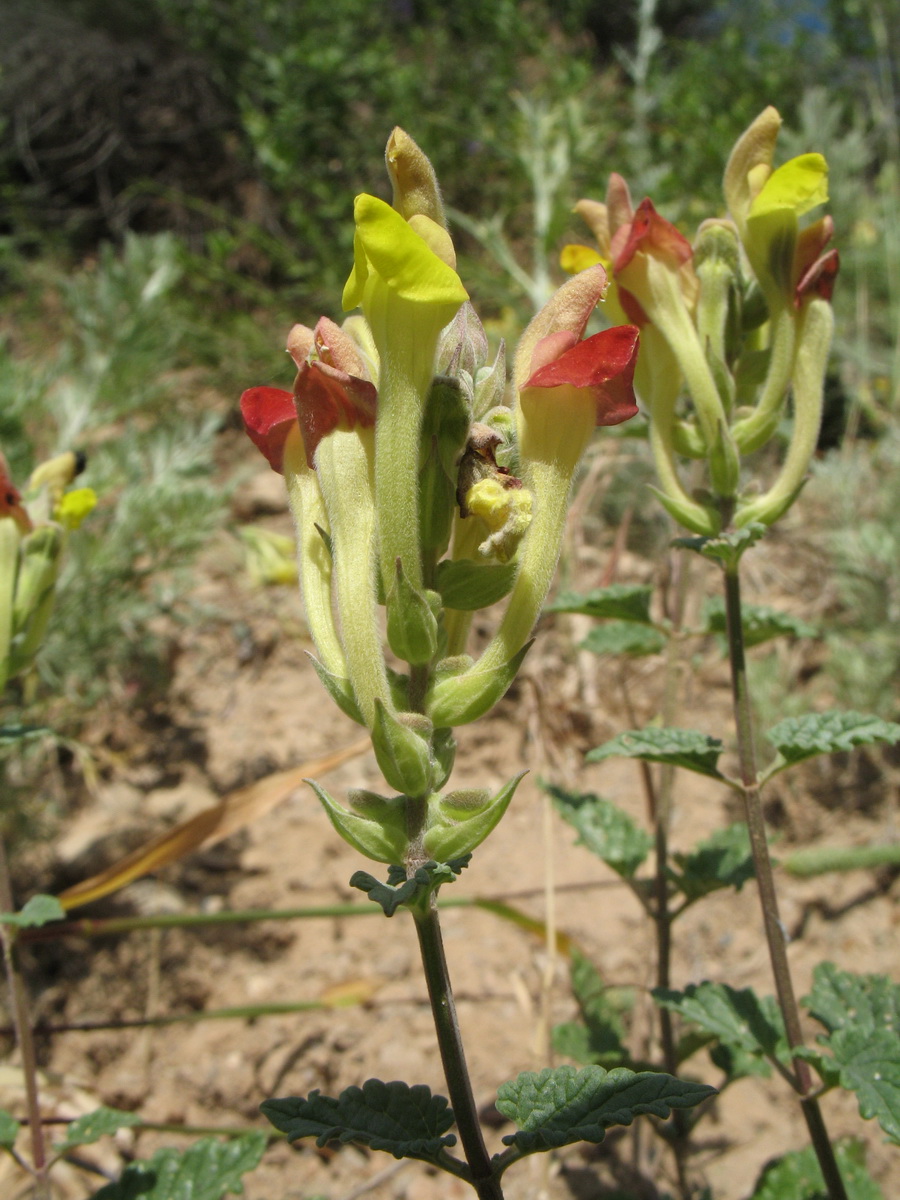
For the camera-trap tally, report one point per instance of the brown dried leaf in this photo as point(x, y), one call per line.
point(212, 825)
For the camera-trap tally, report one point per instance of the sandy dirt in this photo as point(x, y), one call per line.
point(245, 703)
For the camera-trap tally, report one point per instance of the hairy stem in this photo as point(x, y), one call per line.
point(775, 935)
point(443, 1008)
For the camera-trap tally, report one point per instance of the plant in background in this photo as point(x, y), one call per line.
point(415, 489)
point(731, 326)
point(116, 385)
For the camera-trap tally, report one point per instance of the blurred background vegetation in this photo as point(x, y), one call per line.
point(176, 183)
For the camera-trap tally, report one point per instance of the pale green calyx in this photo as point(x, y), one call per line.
point(460, 821)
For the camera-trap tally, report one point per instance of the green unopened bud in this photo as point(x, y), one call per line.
point(445, 426)
point(459, 699)
point(461, 820)
point(724, 463)
point(10, 540)
point(698, 518)
point(490, 386)
point(376, 829)
point(38, 568)
point(402, 750)
point(412, 627)
point(35, 594)
point(807, 384)
point(463, 348)
point(717, 263)
point(443, 749)
point(688, 440)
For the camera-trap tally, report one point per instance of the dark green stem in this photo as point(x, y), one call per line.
point(663, 913)
point(18, 996)
point(443, 1008)
point(775, 935)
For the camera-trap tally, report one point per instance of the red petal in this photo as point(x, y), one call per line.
point(269, 415)
point(819, 279)
point(632, 309)
point(652, 234)
point(602, 365)
point(328, 399)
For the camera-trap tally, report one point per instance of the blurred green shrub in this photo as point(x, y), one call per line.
point(109, 376)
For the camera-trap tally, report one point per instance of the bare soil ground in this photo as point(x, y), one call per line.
point(245, 703)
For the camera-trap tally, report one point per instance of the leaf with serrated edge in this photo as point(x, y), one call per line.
point(39, 910)
point(797, 738)
point(621, 601)
point(408, 1122)
point(9, 1128)
point(842, 999)
point(677, 747)
point(624, 637)
point(797, 1176)
point(208, 1170)
point(604, 829)
point(558, 1106)
point(870, 1066)
point(721, 860)
point(737, 1018)
point(95, 1125)
point(761, 624)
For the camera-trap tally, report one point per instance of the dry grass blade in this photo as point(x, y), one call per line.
point(206, 828)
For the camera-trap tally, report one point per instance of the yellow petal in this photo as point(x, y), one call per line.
point(401, 257)
point(578, 258)
point(797, 186)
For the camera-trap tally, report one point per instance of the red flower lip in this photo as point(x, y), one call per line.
point(652, 234)
point(602, 365)
point(326, 396)
point(269, 415)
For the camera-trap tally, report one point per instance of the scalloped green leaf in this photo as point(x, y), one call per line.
point(399, 890)
point(678, 747)
point(604, 829)
point(842, 1000)
point(624, 637)
point(39, 910)
point(597, 1038)
point(870, 1066)
point(9, 1129)
point(726, 548)
point(761, 624)
point(95, 1125)
point(208, 1170)
point(750, 1023)
point(408, 1122)
point(561, 1105)
point(589, 1044)
point(797, 1176)
point(798, 738)
point(721, 860)
point(621, 601)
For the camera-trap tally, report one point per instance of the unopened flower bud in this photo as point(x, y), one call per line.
point(460, 821)
point(401, 744)
point(412, 176)
point(376, 826)
point(459, 699)
point(35, 594)
point(412, 627)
